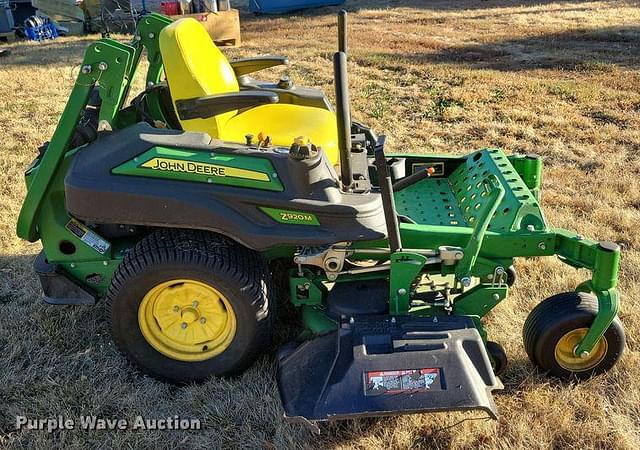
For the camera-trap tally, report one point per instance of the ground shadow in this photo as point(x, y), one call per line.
point(16, 277)
point(432, 5)
point(581, 48)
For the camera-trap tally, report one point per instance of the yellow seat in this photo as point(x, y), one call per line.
point(195, 67)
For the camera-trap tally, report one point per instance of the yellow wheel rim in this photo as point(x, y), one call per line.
point(565, 351)
point(187, 320)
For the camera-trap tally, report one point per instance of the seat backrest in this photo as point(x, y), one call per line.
point(195, 67)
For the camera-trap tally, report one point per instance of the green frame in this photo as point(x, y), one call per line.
point(485, 253)
point(111, 66)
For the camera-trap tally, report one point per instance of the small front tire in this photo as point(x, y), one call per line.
point(557, 325)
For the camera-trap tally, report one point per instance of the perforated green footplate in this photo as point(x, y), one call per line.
point(458, 199)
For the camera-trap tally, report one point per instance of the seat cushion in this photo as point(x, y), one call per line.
point(283, 123)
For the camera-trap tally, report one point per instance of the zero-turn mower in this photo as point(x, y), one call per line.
point(183, 209)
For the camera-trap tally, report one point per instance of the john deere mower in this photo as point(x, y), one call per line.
point(213, 194)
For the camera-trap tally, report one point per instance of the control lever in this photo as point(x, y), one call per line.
point(342, 31)
point(343, 116)
point(386, 191)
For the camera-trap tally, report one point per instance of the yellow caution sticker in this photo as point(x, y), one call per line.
point(200, 168)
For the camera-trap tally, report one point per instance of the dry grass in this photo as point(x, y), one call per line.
point(555, 78)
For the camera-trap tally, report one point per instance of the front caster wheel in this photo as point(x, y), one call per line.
point(556, 326)
point(498, 357)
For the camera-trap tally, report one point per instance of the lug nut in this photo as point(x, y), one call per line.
point(203, 320)
point(184, 325)
point(195, 303)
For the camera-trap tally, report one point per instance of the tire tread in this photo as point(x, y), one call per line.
point(215, 252)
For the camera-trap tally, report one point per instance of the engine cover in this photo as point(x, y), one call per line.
point(261, 198)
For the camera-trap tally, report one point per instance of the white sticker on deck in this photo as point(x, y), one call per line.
point(397, 381)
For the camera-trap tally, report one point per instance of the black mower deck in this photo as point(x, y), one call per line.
point(378, 365)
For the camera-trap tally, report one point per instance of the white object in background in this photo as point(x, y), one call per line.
point(224, 5)
point(185, 6)
point(210, 6)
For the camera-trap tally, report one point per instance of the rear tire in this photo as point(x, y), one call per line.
point(230, 285)
point(557, 324)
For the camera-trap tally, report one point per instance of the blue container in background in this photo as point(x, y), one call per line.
point(284, 6)
point(41, 32)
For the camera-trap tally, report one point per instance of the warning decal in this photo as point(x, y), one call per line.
point(87, 236)
point(398, 381)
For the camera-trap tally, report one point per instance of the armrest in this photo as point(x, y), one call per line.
point(294, 95)
point(244, 66)
point(212, 105)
